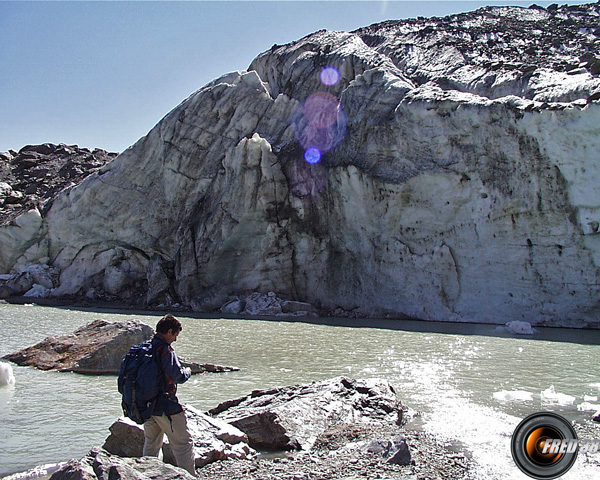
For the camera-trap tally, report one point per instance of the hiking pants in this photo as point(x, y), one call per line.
point(179, 437)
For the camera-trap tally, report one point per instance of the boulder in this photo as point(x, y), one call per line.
point(402, 454)
point(213, 439)
point(293, 417)
point(33, 280)
point(206, 367)
point(98, 464)
point(396, 451)
point(95, 349)
point(267, 304)
point(260, 304)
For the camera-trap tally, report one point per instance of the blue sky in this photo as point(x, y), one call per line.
point(102, 74)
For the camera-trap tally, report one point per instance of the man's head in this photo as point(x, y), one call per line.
point(169, 327)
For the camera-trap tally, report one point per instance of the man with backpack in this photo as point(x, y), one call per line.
point(168, 416)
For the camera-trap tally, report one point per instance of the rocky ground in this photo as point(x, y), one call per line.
point(36, 173)
point(349, 453)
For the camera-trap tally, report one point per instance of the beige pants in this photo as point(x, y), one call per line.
point(179, 437)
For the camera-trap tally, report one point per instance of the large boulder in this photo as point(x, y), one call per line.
point(267, 304)
point(96, 349)
point(293, 417)
point(98, 464)
point(213, 439)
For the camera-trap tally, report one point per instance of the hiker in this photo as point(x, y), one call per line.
point(168, 415)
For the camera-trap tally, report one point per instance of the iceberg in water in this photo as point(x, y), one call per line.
point(520, 327)
point(550, 395)
point(588, 407)
point(513, 396)
point(6, 374)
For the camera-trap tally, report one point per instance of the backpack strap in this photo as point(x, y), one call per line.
point(156, 353)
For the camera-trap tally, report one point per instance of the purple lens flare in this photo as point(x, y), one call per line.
point(329, 76)
point(319, 123)
point(312, 155)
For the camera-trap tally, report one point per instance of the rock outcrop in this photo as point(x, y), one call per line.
point(98, 464)
point(292, 418)
point(33, 176)
point(213, 440)
point(30, 179)
point(442, 169)
point(268, 304)
point(95, 349)
point(321, 416)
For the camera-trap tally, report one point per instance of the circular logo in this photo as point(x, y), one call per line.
point(544, 446)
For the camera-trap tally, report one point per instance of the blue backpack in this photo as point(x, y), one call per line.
point(139, 381)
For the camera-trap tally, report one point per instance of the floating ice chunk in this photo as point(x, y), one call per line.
point(595, 385)
point(6, 374)
point(550, 395)
point(513, 396)
point(588, 407)
point(522, 328)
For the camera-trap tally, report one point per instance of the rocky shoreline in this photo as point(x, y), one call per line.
point(351, 453)
point(346, 451)
point(338, 428)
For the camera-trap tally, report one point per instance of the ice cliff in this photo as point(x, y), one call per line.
point(442, 168)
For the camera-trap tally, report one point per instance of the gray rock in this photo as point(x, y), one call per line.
point(5, 190)
point(293, 417)
point(101, 465)
point(233, 307)
point(196, 367)
point(291, 307)
point(267, 304)
point(402, 455)
point(126, 439)
point(213, 439)
point(95, 349)
point(29, 281)
point(396, 451)
point(260, 304)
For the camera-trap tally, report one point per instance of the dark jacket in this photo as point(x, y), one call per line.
point(173, 373)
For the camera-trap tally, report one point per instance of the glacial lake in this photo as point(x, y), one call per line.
point(472, 384)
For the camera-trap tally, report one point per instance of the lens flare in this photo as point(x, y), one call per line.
point(329, 76)
point(319, 122)
point(312, 155)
